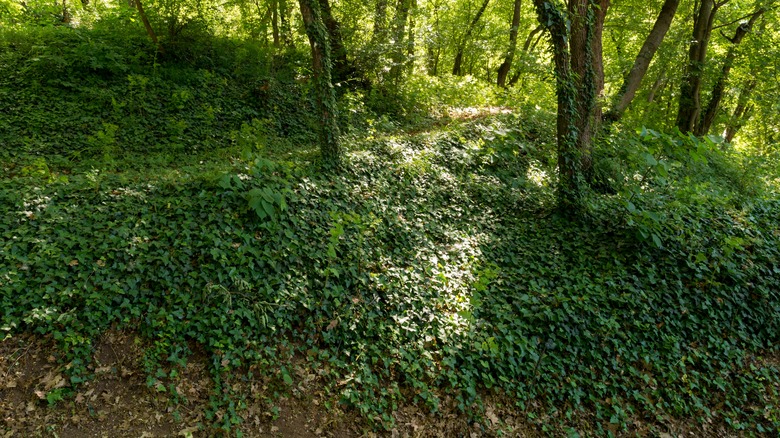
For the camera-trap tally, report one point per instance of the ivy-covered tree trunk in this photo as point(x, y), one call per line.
point(587, 22)
point(456, 67)
point(555, 21)
point(325, 96)
point(342, 69)
point(705, 122)
point(503, 69)
point(397, 52)
point(642, 62)
point(575, 35)
point(690, 90)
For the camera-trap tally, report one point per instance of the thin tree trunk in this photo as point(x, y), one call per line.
point(705, 123)
point(528, 46)
point(642, 62)
point(741, 112)
point(147, 25)
point(325, 96)
point(657, 85)
point(410, 41)
point(503, 69)
point(690, 90)
point(275, 22)
point(284, 24)
point(379, 34)
point(456, 68)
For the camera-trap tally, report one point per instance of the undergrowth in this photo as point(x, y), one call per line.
point(185, 204)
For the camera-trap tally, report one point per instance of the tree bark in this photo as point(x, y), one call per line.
point(741, 112)
point(642, 62)
point(342, 69)
point(456, 68)
point(690, 89)
point(325, 96)
point(147, 25)
point(275, 22)
point(528, 46)
point(399, 35)
point(568, 163)
point(284, 24)
point(705, 123)
point(587, 23)
point(503, 69)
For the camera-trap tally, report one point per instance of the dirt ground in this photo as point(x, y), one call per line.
point(119, 403)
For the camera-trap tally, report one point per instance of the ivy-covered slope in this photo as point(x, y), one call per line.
point(432, 266)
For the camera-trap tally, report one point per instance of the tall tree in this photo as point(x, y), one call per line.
point(634, 77)
point(503, 69)
point(575, 35)
point(705, 122)
point(342, 69)
point(742, 110)
point(325, 95)
point(149, 30)
point(399, 49)
point(690, 90)
point(457, 65)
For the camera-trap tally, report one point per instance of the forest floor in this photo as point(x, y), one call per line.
point(119, 403)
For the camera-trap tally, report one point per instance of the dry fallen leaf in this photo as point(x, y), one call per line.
point(332, 325)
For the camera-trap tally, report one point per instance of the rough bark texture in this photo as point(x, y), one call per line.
point(705, 122)
point(503, 69)
point(324, 94)
point(456, 68)
point(642, 62)
point(690, 90)
point(587, 23)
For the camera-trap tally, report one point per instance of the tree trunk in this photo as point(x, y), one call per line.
point(568, 161)
point(741, 112)
point(456, 68)
point(147, 25)
point(587, 23)
point(275, 22)
point(690, 90)
point(323, 86)
point(284, 23)
point(342, 70)
point(410, 41)
point(528, 46)
point(705, 123)
point(634, 78)
point(379, 34)
point(503, 69)
point(399, 34)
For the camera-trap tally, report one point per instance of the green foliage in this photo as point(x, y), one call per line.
point(423, 271)
point(430, 269)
